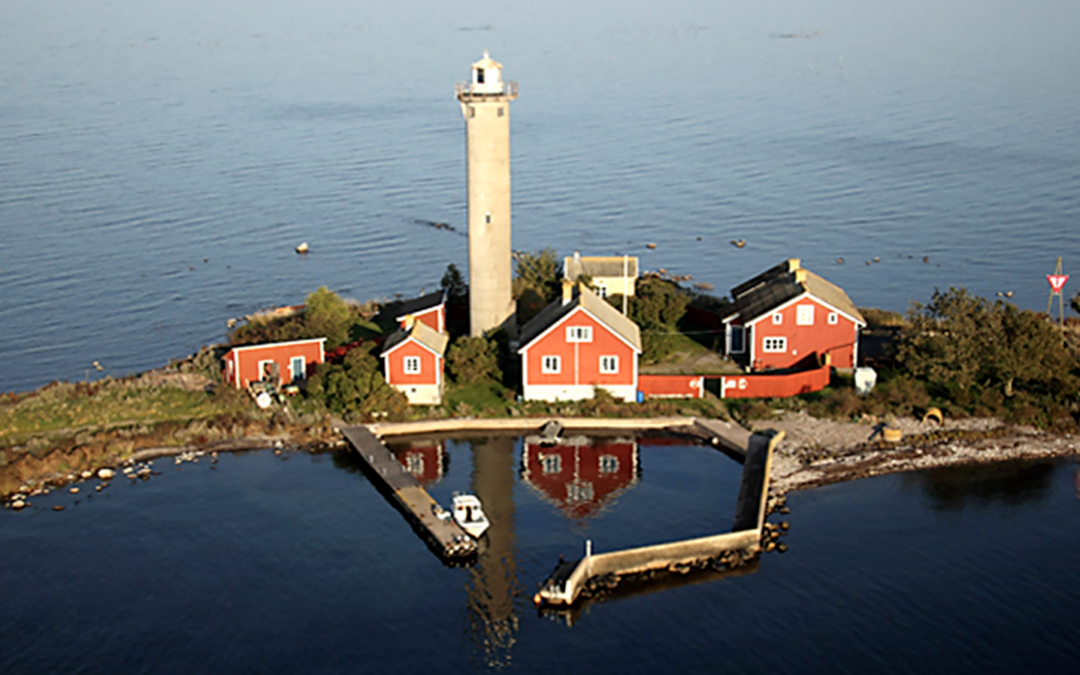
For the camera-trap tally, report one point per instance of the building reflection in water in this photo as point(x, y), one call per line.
point(494, 588)
point(580, 475)
point(426, 460)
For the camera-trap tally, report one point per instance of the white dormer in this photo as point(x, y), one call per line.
point(487, 76)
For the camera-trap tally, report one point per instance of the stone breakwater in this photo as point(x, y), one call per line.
point(819, 452)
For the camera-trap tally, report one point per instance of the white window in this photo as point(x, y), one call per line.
point(609, 464)
point(582, 491)
point(412, 365)
point(551, 365)
point(414, 464)
point(774, 345)
point(579, 333)
point(551, 463)
point(298, 368)
point(777, 319)
point(609, 365)
point(805, 315)
point(833, 318)
point(601, 289)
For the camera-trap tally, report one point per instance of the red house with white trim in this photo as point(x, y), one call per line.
point(279, 362)
point(425, 460)
point(576, 345)
point(788, 316)
point(413, 360)
point(580, 475)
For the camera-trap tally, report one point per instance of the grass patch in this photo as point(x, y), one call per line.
point(485, 398)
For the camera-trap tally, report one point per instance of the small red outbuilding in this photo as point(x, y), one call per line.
point(279, 362)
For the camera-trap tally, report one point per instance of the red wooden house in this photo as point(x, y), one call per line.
point(788, 317)
point(278, 362)
point(428, 309)
point(413, 362)
point(576, 345)
point(579, 475)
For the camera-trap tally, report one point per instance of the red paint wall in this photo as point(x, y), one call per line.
point(822, 338)
point(671, 386)
point(430, 365)
point(245, 360)
point(584, 355)
point(424, 460)
point(775, 386)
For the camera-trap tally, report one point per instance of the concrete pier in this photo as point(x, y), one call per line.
point(443, 535)
point(568, 579)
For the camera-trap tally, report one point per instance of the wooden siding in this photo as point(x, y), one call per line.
point(242, 363)
point(580, 361)
point(838, 340)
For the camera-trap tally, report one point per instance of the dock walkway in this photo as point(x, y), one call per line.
point(444, 535)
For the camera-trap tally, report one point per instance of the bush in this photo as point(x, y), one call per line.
point(473, 359)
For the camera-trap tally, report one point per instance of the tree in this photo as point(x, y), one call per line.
point(328, 316)
point(356, 387)
point(541, 272)
point(453, 282)
point(1075, 302)
point(472, 359)
point(656, 308)
point(959, 343)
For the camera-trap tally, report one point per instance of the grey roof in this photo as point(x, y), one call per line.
point(788, 280)
point(591, 303)
point(599, 266)
point(416, 305)
point(422, 333)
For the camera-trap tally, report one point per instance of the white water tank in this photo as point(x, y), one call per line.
point(865, 379)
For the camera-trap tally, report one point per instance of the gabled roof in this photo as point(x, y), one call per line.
point(599, 308)
point(260, 345)
point(600, 266)
point(422, 334)
point(399, 310)
point(783, 283)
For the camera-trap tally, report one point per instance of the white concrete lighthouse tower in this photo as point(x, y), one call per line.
point(485, 103)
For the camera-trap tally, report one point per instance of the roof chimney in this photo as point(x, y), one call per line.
point(800, 276)
point(792, 264)
point(408, 322)
point(567, 291)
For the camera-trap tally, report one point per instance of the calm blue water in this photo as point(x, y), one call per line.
point(297, 564)
point(159, 161)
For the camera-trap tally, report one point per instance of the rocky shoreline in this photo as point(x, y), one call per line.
point(813, 453)
point(817, 452)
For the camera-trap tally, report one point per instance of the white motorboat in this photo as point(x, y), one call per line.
point(470, 515)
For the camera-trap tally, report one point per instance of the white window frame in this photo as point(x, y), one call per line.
point(804, 315)
point(609, 364)
point(262, 367)
point(551, 364)
point(834, 318)
point(774, 345)
point(302, 374)
point(741, 331)
point(601, 289)
point(777, 319)
point(410, 365)
point(579, 333)
point(609, 464)
point(551, 463)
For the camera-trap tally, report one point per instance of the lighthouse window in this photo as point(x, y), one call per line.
point(472, 112)
point(479, 75)
point(500, 112)
point(487, 217)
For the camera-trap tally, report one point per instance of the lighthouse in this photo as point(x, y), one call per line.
point(485, 104)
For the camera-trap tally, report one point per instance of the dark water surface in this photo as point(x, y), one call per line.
point(297, 564)
point(159, 161)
